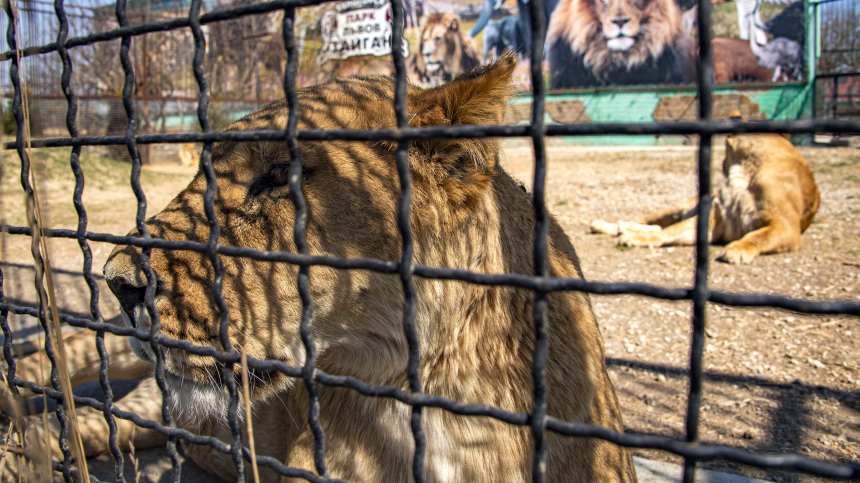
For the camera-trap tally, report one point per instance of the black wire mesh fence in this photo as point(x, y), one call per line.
point(540, 283)
point(840, 42)
point(839, 96)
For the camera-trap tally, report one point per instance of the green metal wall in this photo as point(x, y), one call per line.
point(760, 101)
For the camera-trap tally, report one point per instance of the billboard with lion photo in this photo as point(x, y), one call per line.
point(589, 43)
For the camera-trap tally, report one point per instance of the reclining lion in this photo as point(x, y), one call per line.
point(769, 199)
point(476, 341)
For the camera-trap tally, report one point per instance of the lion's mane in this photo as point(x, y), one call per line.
point(580, 57)
point(459, 54)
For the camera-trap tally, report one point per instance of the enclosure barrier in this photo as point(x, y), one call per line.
point(538, 421)
point(839, 95)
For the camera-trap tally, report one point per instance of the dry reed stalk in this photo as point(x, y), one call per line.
point(46, 441)
point(7, 447)
point(246, 395)
point(41, 252)
point(132, 457)
point(12, 402)
point(18, 424)
point(2, 177)
point(21, 465)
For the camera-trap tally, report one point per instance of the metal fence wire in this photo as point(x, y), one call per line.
point(540, 283)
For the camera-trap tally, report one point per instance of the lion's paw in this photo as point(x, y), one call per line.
point(604, 228)
point(648, 239)
point(625, 226)
point(738, 253)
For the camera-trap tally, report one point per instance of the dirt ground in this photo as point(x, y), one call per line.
point(111, 208)
point(776, 381)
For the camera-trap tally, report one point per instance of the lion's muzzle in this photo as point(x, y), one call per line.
point(128, 292)
point(128, 283)
point(620, 43)
point(126, 279)
point(620, 33)
point(432, 67)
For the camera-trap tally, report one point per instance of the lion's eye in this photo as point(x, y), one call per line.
point(277, 176)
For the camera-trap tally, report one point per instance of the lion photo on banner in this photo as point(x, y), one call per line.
point(589, 43)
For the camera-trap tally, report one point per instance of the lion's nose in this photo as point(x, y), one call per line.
point(620, 21)
point(125, 278)
point(129, 292)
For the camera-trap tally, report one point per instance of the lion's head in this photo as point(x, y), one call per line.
point(613, 33)
point(445, 49)
point(351, 190)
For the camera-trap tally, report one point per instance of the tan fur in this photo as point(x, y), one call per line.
point(444, 50)
point(769, 199)
point(188, 155)
point(357, 65)
point(734, 61)
point(655, 24)
point(476, 341)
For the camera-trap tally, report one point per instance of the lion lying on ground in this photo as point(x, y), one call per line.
point(769, 199)
point(476, 341)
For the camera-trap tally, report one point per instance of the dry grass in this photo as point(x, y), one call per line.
point(246, 400)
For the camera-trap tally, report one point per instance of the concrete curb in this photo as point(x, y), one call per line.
point(650, 471)
point(154, 467)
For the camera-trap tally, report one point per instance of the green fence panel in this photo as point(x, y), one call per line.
point(754, 102)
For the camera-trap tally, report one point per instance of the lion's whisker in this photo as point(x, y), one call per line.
point(211, 380)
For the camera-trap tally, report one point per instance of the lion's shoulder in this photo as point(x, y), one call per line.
point(770, 166)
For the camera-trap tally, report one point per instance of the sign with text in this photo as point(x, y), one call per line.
point(357, 28)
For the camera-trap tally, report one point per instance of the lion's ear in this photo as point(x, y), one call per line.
point(731, 143)
point(462, 167)
point(477, 97)
point(454, 25)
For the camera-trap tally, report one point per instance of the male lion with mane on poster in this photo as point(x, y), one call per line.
point(596, 43)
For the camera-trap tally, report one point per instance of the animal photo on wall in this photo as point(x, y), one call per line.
point(595, 43)
point(588, 44)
